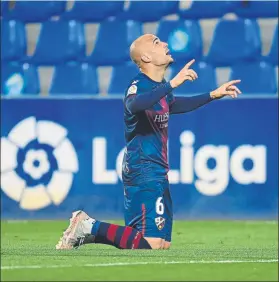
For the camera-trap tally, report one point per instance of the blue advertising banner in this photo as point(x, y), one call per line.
point(59, 155)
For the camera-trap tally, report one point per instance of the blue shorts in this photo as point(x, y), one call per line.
point(148, 208)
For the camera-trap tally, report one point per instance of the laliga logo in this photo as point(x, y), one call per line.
point(209, 168)
point(37, 164)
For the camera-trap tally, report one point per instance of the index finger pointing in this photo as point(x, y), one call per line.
point(189, 64)
point(233, 82)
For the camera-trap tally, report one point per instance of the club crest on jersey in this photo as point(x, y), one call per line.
point(132, 89)
point(160, 222)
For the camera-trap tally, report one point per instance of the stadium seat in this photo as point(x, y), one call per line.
point(257, 9)
point(120, 77)
point(256, 77)
point(149, 11)
point(94, 11)
point(13, 40)
point(74, 78)
point(205, 9)
point(273, 54)
point(206, 79)
point(36, 11)
point(17, 79)
point(113, 42)
point(183, 37)
point(59, 42)
point(4, 8)
point(234, 41)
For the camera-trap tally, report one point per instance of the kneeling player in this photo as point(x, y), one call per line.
point(148, 104)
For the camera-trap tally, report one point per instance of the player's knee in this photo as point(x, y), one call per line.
point(167, 245)
point(155, 243)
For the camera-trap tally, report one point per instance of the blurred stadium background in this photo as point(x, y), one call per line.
point(64, 69)
point(49, 42)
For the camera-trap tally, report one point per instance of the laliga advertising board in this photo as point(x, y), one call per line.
point(59, 155)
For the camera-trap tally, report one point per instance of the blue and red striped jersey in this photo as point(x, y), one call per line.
point(146, 134)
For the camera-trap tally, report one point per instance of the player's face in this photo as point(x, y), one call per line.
point(159, 52)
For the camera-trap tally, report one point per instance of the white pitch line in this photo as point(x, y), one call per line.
point(11, 267)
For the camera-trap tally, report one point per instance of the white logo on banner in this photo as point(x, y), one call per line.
point(195, 168)
point(37, 163)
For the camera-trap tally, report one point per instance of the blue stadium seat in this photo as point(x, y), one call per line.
point(94, 11)
point(257, 9)
point(256, 77)
point(17, 79)
point(120, 77)
point(59, 42)
point(149, 11)
point(113, 42)
point(205, 9)
point(183, 37)
point(273, 54)
point(4, 8)
point(13, 40)
point(234, 41)
point(206, 79)
point(36, 11)
point(74, 78)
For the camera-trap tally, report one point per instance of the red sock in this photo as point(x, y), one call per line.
point(122, 237)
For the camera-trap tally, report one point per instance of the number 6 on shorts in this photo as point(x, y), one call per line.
point(160, 206)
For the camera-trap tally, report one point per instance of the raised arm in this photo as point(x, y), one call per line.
point(136, 103)
point(187, 104)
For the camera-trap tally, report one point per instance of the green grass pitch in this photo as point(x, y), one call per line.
point(201, 250)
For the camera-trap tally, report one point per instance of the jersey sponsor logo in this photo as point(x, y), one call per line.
point(38, 163)
point(132, 89)
point(161, 118)
point(210, 168)
point(160, 222)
